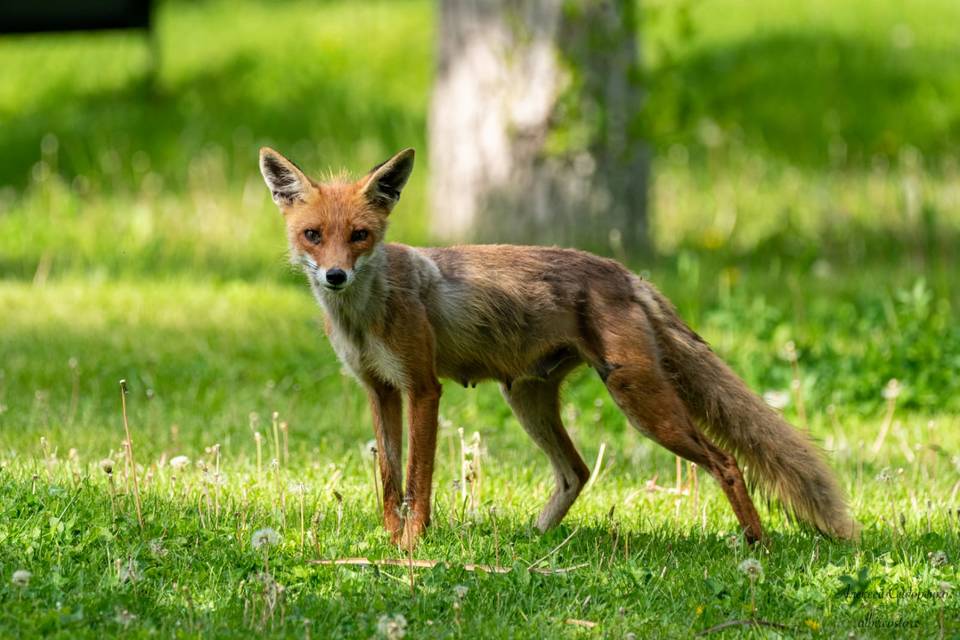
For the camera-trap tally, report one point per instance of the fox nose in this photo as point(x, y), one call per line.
point(336, 276)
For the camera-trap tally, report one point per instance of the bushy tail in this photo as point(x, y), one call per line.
point(780, 459)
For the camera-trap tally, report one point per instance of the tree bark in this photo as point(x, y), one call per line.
point(534, 124)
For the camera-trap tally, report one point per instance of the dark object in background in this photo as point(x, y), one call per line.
point(24, 16)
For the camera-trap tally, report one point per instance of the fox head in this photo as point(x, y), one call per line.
point(334, 227)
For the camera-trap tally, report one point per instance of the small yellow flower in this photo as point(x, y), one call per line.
point(812, 624)
point(699, 609)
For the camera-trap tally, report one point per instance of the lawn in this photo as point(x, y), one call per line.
point(807, 163)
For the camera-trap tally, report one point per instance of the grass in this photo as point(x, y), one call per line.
point(137, 243)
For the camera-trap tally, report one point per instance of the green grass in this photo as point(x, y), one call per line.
point(806, 171)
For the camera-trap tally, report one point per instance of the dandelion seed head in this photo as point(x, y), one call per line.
point(156, 548)
point(732, 541)
point(265, 537)
point(297, 488)
point(892, 390)
point(789, 351)
point(128, 571)
point(179, 462)
point(124, 618)
point(392, 627)
point(777, 399)
point(106, 465)
point(21, 578)
point(937, 558)
point(461, 591)
point(751, 568)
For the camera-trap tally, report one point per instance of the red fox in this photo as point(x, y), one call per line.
point(400, 318)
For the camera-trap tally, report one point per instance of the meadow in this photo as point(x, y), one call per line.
point(806, 206)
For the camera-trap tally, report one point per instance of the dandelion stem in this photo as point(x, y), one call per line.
point(887, 422)
point(129, 448)
point(303, 534)
point(679, 475)
point(259, 440)
point(376, 485)
point(276, 436)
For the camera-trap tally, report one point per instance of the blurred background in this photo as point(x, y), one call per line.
point(787, 172)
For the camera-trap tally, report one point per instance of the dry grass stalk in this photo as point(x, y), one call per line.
point(555, 549)
point(588, 624)
point(429, 564)
point(259, 440)
point(679, 485)
point(376, 481)
point(796, 384)
point(285, 430)
point(890, 394)
point(276, 437)
point(595, 473)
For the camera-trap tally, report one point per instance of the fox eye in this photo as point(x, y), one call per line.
point(312, 236)
point(359, 235)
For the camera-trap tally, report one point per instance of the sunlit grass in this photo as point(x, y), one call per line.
point(806, 193)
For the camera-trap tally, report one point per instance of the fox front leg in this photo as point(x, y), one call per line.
point(424, 401)
point(387, 411)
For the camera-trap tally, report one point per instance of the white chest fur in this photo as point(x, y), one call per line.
point(372, 357)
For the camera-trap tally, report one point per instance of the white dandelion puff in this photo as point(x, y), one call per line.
point(392, 627)
point(265, 537)
point(128, 571)
point(777, 399)
point(733, 541)
point(297, 488)
point(21, 578)
point(751, 568)
point(217, 479)
point(937, 558)
point(892, 390)
point(886, 475)
point(156, 548)
point(124, 618)
point(179, 462)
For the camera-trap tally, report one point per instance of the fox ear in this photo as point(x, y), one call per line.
point(287, 183)
point(385, 181)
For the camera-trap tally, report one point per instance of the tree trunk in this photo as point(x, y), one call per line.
point(534, 124)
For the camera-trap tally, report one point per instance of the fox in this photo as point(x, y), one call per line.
point(402, 318)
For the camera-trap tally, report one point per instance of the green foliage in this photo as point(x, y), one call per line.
point(137, 242)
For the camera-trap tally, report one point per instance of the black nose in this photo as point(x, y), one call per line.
point(336, 277)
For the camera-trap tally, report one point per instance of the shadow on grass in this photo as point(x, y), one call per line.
point(229, 109)
point(793, 95)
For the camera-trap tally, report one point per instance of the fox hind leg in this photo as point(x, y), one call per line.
point(536, 403)
point(653, 407)
point(642, 390)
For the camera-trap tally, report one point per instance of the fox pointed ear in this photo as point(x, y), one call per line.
point(287, 183)
point(385, 181)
